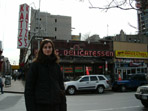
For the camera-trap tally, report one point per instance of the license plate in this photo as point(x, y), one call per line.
point(144, 97)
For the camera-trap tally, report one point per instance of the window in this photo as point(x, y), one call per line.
point(55, 29)
point(133, 71)
point(93, 78)
point(135, 40)
point(84, 79)
point(55, 20)
point(129, 39)
point(101, 78)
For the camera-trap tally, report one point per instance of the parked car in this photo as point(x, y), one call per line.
point(130, 83)
point(87, 83)
point(142, 94)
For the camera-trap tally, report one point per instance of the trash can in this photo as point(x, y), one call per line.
point(7, 80)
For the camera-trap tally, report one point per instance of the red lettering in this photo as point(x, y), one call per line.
point(81, 53)
point(26, 33)
point(90, 53)
point(78, 53)
point(21, 17)
point(102, 53)
point(86, 53)
point(26, 25)
point(74, 52)
point(21, 24)
point(98, 53)
point(27, 8)
point(65, 52)
point(20, 35)
point(20, 41)
point(107, 53)
point(71, 52)
point(27, 17)
point(57, 51)
point(21, 8)
point(25, 42)
point(111, 54)
point(94, 53)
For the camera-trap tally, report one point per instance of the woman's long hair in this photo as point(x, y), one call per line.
point(41, 57)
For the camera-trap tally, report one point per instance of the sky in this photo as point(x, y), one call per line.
point(84, 20)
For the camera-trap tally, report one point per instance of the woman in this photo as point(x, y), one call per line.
point(44, 88)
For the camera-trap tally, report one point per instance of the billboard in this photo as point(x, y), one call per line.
point(23, 21)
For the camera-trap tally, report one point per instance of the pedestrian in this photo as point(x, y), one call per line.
point(44, 87)
point(1, 85)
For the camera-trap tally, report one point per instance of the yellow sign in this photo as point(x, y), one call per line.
point(15, 67)
point(131, 54)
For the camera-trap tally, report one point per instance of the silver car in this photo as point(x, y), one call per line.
point(142, 94)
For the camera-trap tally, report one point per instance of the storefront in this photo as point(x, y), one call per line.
point(76, 57)
point(130, 61)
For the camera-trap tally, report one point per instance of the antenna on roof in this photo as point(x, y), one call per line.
point(107, 30)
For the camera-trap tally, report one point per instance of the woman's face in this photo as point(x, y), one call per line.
point(47, 49)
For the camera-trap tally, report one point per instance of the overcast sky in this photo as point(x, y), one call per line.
point(84, 20)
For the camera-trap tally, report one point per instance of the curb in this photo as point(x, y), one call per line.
point(14, 92)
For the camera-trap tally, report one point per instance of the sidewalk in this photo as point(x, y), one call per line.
point(15, 87)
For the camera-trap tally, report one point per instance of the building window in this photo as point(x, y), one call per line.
point(55, 20)
point(138, 41)
point(129, 39)
point(55, 29)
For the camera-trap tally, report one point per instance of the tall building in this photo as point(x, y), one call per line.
point(142, 12)
point(46, 25)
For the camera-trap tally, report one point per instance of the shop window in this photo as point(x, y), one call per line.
point(138, 70)
point(145, 70)
point(79, 69)
point(142, 70)
point(128, 71)
point(68, 69)
point(133, 71)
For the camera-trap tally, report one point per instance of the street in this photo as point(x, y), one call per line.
point(109, 101)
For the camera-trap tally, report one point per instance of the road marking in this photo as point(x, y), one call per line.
point(112, 109)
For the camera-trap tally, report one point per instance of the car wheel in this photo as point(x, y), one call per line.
point(100, 89)
point(145, 103)
point(71, 90)
point(123, 88)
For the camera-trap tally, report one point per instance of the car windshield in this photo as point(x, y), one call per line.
point(77, 78)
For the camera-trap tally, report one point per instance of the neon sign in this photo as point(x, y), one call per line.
point(77, 51)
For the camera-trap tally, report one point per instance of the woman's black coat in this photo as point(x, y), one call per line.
point(43, 85)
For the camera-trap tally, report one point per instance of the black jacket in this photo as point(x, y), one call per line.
point(43, 85)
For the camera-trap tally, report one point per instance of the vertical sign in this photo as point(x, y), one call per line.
point(106, 66)
point(22, 41)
